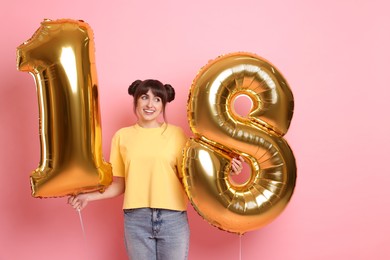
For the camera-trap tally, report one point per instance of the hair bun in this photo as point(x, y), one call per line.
point(170, 92)
point(133, 87)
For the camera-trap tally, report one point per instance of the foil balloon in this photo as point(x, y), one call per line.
point(221, 133)
point(60, 57)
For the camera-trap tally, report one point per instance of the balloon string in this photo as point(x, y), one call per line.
point(240, 248)
point(81, 222)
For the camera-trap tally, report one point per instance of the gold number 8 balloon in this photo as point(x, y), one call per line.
point(60, 56)
point(220, 132)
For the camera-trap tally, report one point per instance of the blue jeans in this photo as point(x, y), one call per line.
point(156, 234)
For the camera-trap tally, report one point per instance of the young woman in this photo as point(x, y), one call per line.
point(144, 159)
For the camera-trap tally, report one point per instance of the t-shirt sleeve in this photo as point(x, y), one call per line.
point(116, 160)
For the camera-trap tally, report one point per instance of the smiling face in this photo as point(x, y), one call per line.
point(148, 109)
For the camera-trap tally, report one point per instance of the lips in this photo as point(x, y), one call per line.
point(149, 111)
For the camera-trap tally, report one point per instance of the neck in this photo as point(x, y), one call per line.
point(153, 124)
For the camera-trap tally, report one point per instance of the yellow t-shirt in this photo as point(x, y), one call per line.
point(148, 159)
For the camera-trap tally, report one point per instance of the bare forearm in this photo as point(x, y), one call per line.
point(115, 189)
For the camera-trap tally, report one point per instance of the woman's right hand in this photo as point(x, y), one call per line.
point(79, 202)
point(116, 188)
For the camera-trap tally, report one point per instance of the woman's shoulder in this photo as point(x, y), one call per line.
point(175, 128)
point(124, 130)
point(176, 135)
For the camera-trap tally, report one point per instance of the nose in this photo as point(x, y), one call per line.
point(150, 102)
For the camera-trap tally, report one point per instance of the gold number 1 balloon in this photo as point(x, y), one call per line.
point(220, 133)
point(60, 57)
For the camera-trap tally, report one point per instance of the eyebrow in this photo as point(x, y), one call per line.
point(152, 95)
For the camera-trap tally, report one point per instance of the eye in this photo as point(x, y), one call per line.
point(157, 99)
point(144, 97)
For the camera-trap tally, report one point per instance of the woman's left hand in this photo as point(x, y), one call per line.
point(237, 165)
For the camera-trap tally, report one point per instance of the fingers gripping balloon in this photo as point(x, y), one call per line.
point(60, 56)
point(221, 132)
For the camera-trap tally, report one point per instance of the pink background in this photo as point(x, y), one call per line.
point(335, 56)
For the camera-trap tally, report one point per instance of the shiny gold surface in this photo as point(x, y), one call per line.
point(220, 133)
point(60, 57)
